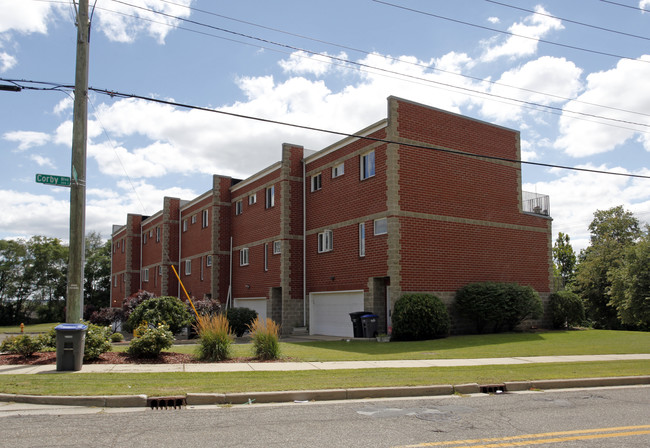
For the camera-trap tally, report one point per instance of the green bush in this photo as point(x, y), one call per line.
point(23, 345)
point(98, 341)
point(215, 337)
point(418, 317)
point(240, 319)
point(166, 310)
point(117, 337)
point(48, 339)
point(566, 309)
point(266, 338)
point(150, 341)
point(498, 306)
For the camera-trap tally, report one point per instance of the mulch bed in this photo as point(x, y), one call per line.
point(43, 358)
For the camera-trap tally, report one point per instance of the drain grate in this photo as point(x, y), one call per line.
point(492, 388)
point(167, 402)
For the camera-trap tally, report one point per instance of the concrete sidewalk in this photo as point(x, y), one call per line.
point(333, 365)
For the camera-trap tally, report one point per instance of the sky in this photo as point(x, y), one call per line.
point(571, 76)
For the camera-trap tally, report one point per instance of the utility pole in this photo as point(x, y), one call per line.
point(75, 298)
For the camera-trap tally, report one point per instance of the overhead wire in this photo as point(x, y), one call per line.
point(114, 93)
point(638, 8)
point(393, 72)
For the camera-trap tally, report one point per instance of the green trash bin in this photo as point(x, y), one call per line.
point(70, 341)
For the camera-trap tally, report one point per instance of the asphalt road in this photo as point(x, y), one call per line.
point(607, 417)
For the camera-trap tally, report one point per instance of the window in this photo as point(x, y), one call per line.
point(185, 225)
point(381, 226)
point(277, 247)
point(338, 170)
point(368, 165)
point(204, 219)
point(115, 281)
point(325, 243)
point(145, 275)
point(150, 233)
point(238, 207)
point(144, 238)
point(188, 267)
point(160, 270)
point(208, 260)
point(266, 256)
point(362, 239)
point(123, 278)
point(270, 197)
point(252, 199)
point(316, 182)
point(243, 257)
point(123, 244)
point(157, 234)
point(193, 219)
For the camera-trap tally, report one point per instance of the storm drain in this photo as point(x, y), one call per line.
point(167, 402)
point(493, 388)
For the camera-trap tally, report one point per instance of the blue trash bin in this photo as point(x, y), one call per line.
point(70, 341)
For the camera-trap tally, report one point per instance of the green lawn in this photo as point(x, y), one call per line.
point(35, 328)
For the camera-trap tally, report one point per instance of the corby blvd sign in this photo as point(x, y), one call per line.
point(50, 179)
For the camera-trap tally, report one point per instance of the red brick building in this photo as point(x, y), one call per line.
point(423, 201)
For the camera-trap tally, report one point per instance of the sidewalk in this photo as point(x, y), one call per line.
point(334, 365)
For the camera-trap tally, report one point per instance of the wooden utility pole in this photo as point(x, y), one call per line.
point(75, 297)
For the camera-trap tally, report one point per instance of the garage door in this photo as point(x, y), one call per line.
point(329, 312)
point(257, 304)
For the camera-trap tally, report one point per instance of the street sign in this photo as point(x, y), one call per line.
point(50, 179)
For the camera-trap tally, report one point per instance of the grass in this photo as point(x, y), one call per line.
point(31, 328)
point(156, 384)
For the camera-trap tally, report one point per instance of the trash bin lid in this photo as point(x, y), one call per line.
point(71, 327)
point(369, 316)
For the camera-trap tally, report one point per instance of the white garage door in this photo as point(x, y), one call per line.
point(329, 312)
point(257, 304)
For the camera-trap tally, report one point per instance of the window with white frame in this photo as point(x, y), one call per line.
point(193, 219)
point(115, 281)
point(204, 218)
point(368, 165)
point(239, 207)
point(381, 226)
point(157, 234)
point(123, 244)
point(266, 256)
point(145, 275)
point(185, 225)
point(316, 182)
point(160, 270)
point(325, 241)
point(243, 257)
point(338, 170)
point(188, 267)
point(208, 260)
point(144, 238)
point(277, 247)
point(270, 196)
point(362, 239)
point(252, 199)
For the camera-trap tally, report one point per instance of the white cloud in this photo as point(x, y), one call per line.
point(25, 16)
point(301, 62)
point(493, 20)
point(7, 61)
point(581, 138)
point(42, 161)
point(26, 214)
point(644, 4)
point(27, 139)
point(63, 105)
point(534, 27)
point(123, 23)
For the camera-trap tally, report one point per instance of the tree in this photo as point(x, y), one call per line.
point(97, 272)
point(630, 285)
point(15, 284)
point(612, 232)
point(564, 258)
point(48, 261)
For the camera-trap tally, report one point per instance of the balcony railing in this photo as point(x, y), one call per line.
point(540, 204)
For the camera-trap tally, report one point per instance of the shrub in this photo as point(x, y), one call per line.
point(165, 310)
point(215, 337)
point(117, 337)
point(206, 307)
point(107, 316)
point(23, 345)
point(97, 341)
point(266, 338)
point(418, 317)
point(240, 319)
point(498, 306)
point(48, 340)
point(151, 341)
point(130, 304)
point(566, 309)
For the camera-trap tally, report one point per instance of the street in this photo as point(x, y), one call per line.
point(606, 417)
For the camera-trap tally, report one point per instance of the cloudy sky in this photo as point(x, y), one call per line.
point(572, 76)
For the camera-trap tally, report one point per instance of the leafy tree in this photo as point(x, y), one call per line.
point(630, 285)
point(97, 272)
point(15, 284)
point(613, 231)
point(564, 258)
point(48, 261)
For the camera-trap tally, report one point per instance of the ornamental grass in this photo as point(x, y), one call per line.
point(215, 337)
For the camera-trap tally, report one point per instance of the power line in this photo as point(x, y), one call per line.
point(626, 6)
point(573, 47)
point(569, 20)
point(113, 93)
point(384, 70)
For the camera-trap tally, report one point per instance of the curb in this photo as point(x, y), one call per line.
point(198, 399)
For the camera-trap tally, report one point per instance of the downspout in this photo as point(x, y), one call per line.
point(180, 246)
point(140, 273)
point(110, 296)
point(304, 244)
point(229, 297)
